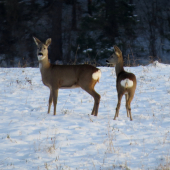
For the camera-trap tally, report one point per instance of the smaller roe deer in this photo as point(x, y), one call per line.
point(66, 76)
point(125, 83)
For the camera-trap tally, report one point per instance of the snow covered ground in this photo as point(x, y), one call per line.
point(73, 139)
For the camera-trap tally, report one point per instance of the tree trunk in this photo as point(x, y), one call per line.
point(90, 7)
point(111, 15)
point(56, 46)
point(74, 20)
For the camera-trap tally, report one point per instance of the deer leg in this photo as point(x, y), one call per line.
point(96, 103)
point(118, 106)
point(55, 96)
point(50, 101)
point(128, 106)
point(126, 96)
point(130, 114)
point(93, 111)
point(96, 97)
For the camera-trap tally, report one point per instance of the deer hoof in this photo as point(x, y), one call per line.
point(94, 114)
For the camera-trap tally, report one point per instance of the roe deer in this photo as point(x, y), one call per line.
point(66, 76)
point(125, 83)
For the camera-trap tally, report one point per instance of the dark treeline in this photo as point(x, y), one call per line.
point(84, 30)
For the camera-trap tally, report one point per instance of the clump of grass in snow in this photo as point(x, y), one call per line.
point(166, 165)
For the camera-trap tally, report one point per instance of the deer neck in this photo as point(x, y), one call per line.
point(119, 67)
point(44, 64)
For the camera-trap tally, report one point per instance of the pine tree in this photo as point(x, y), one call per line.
point(112, 23)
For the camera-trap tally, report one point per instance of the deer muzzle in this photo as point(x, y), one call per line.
point(40, 54)
point(107, 61)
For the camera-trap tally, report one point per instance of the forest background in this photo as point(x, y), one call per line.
point(84, 31)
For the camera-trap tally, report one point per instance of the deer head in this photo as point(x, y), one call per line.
point(42, 49)
point(115, 57)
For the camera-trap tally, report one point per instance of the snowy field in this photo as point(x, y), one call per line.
point(73, 139)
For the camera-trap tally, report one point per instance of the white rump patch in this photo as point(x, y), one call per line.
point(41, 57)
point(96, 75)
point(127, 83)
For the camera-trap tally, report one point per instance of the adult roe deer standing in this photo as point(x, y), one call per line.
point(66, 76)
point(125, 83)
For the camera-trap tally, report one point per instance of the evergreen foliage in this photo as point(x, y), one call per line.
point(84, 31)
point(111, 20)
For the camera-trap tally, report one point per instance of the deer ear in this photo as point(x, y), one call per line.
point(118, 52)
point(48, 42)
point(37, 41)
